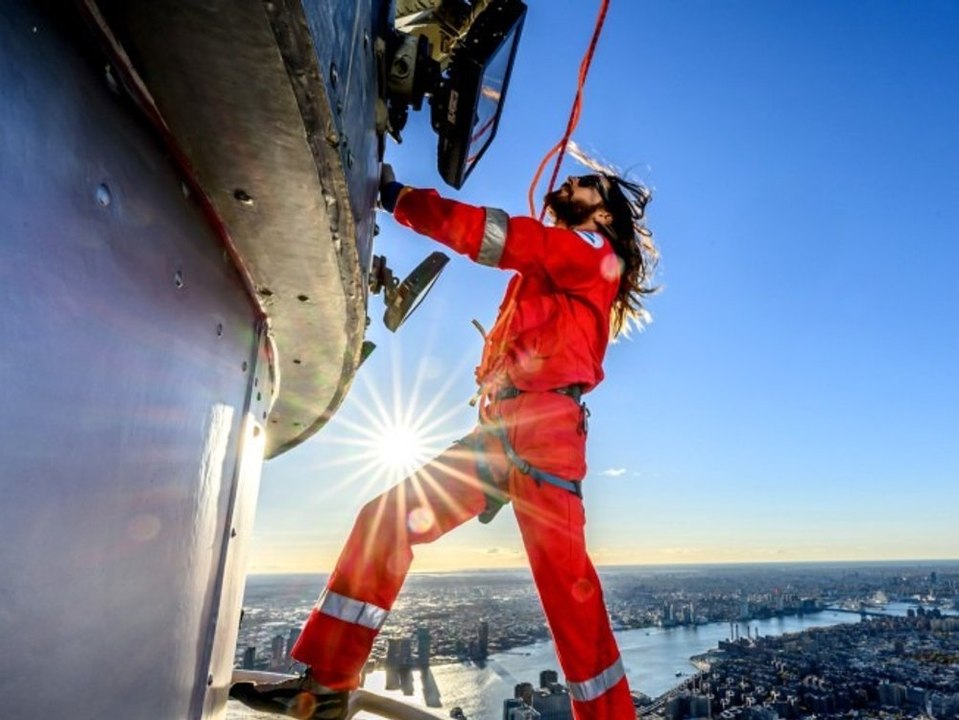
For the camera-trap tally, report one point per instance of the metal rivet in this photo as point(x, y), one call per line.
point(265, 292)
point(243, 197)
point(185, 189)
point(219, 329)
point(349, 159)
point(256, 382)
point(103, 195)
point(209, 679)
point(297, 361)
point(366, 39)
point(111, 81)
point(264, 416)
point(256, 430)
point(178, 278)
point(232, 532)
point(302, 298)
point(259, 397)
point(244, 366)
point(339, 107)
point(334, 75)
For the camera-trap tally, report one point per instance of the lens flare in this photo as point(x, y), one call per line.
point(393, 423)
point(420, 520)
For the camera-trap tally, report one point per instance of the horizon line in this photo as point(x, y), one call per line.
point(620, 566)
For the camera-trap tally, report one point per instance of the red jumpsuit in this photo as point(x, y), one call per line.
point(551, 332)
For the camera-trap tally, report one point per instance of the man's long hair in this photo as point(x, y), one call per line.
point(633, 243)
point(631, 240)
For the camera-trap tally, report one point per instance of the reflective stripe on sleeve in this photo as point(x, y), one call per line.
point(594, 687)
point(494, 237)
point(351, 611)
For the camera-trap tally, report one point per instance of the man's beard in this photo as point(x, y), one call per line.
point(569, 212)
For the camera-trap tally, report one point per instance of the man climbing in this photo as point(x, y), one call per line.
point(577, 283)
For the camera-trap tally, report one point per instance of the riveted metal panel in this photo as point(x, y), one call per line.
point(131, 364)
point(273, 105)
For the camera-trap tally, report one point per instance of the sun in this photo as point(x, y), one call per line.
point(394, 423)
point(400, 448)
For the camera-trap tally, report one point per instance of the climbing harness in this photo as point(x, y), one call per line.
point(540, 476)
point(496, 495)
point(495, 341)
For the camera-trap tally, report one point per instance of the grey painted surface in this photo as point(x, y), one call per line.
point(131, 364)
point(274, 103)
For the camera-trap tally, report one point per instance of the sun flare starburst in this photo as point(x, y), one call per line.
point(395, 424)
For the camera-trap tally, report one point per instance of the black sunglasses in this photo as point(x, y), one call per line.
point(595, 181)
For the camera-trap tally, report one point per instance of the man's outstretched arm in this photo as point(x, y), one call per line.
point(490, 237)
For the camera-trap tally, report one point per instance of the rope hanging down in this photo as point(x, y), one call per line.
point(560, 147)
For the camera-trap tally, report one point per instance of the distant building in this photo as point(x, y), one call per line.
point(667, 612)
point(553, 703)
point(423, 643)
point(677, 707)
point(291, 639)
point(699, 706)
point(516, 709)
point(524, 691)
point(891, 694)
point(687, 705)
point(406, 652)
point(548, 678)
point(399, 653)
point(392, 652)
point(482, 645)
point(278, 652)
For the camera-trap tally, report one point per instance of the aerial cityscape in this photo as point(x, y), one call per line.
point(748, 642)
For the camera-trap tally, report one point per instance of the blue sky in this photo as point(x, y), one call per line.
point(796, 397)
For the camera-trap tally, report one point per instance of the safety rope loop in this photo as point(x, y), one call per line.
point(573, 121)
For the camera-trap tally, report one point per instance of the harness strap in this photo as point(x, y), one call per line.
point(495, 497)
point(540, 476)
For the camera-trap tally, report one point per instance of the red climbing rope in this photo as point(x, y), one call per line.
point(560, 147)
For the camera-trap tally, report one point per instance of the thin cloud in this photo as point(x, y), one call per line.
point(614, 472)
point(513, 552)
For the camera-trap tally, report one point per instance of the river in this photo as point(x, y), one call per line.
point(656, 659)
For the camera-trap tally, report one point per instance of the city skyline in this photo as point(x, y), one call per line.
point(468, 639)
point(795, 398)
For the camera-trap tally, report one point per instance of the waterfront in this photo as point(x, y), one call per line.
point(653, 657)
point(656, 658)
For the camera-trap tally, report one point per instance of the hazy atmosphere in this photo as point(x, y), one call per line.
point(796, 395)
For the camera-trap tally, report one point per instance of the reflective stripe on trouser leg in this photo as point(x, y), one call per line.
point(494, 237)
point(552, 523)
point(594, 687)
point(350, 610)
point(339, 634)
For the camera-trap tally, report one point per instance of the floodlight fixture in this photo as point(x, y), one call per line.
point(466, 87)
point(467, 108)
